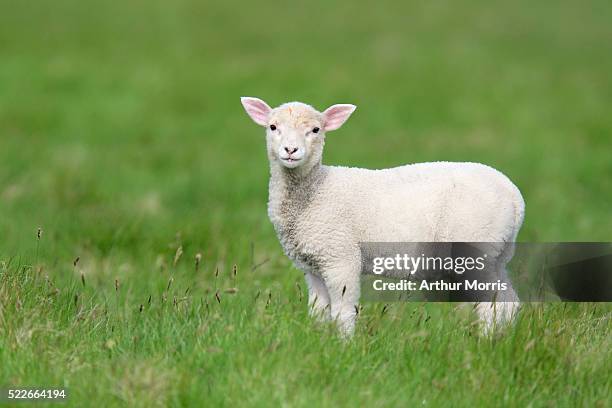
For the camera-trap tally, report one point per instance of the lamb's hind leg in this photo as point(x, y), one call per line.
point(501, 312)
point(498, 313)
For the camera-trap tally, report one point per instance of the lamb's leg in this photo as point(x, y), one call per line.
point(501, 312)
point(498, 314)
point(318, 298)
point(343, 286)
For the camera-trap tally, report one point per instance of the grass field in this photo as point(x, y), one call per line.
point(123, 139)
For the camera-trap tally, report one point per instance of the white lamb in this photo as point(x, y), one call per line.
point(322, 213)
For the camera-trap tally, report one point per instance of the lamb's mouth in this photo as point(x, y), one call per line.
point(290, 159)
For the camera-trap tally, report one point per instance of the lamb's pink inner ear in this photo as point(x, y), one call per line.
point(257, 109)
point(336, 115)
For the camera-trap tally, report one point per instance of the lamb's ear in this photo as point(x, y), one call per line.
point(336, 115)
point(257, 109)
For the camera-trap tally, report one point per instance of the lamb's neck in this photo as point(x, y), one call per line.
point(291, 190)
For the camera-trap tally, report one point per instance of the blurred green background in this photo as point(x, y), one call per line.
point(121, 122)
point(122, 135)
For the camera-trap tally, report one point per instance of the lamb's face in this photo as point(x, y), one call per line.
point(295, 135)
point(295, 131)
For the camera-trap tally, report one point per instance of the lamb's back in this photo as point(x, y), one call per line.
point(439, 201)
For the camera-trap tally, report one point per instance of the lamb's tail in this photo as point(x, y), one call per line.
point(519, 215)
point(519, 210)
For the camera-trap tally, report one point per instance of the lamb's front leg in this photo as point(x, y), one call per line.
point(318, 298)
point(343, 286)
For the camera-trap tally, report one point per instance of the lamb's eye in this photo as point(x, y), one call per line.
point(272, 127)
point(315, 130)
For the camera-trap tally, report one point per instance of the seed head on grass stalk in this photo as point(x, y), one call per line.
point(177, 255)
point(39, 233)
point(384, 310)
point(74, 266)
point(314, 302)
point(269, 299)
point(198, 260)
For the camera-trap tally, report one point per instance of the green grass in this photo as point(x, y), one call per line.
point(122, 137)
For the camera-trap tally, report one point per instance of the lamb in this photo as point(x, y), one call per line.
point(322, 213)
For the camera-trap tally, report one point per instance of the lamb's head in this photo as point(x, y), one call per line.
point(295, 132)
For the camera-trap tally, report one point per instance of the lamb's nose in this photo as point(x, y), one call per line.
point(291, 150)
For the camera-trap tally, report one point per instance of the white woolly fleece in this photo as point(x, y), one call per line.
point(322, 213)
